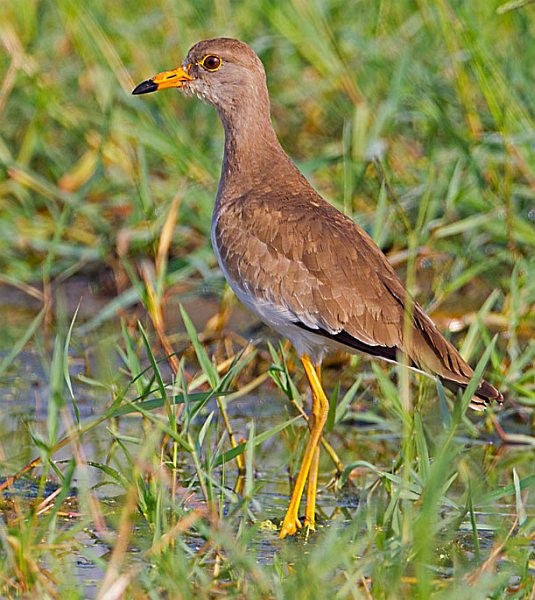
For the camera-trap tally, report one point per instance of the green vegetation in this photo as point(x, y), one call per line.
point(416, 118)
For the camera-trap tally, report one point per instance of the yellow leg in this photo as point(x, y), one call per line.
point(312, 488)
point(312, 482)
point(320, 409)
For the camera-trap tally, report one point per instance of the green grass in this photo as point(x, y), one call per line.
point(100, 190)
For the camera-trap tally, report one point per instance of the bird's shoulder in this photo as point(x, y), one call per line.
point(298, 250)
point(299, 225)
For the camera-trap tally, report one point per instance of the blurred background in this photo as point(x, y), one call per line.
point(437, 91)
point(415, 117)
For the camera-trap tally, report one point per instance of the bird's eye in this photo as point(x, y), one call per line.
point(211, 62)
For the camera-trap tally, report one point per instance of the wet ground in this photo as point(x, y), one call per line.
point(24, 397)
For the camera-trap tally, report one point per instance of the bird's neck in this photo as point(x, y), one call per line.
point(251, 150)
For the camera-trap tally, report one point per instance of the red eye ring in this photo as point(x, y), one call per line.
point(211, 62)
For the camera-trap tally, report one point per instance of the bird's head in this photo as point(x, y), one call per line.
point(222, 71)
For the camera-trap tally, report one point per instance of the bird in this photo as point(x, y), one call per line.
point(302, 266)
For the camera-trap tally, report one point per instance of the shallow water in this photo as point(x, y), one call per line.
point(24, 404)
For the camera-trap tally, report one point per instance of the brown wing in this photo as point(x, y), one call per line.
point(326, 273)
point(315, 265)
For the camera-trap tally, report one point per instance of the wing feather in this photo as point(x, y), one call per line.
point(322, 272)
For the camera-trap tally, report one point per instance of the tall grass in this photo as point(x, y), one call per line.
point(413, 117)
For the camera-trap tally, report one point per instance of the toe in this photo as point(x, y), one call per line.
point(289, 527)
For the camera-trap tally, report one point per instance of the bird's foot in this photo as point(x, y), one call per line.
point(290, 525)
point(310, 523)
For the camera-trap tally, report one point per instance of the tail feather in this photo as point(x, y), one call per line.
point(485, 393)
point(444, 359)
point(447, 363)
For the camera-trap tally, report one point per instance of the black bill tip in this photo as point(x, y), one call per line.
point(145, 88)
